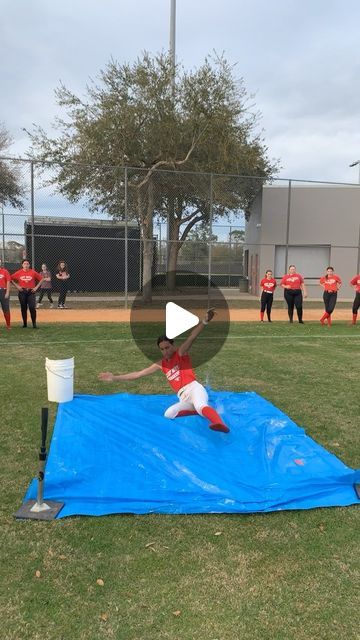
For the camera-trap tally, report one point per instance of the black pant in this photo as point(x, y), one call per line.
point(27, 301)
point(356, 303)
point(48, 293)
point(63, 288)
point(329, 298)
point(4, 302)
point(266, 301)
point(293, 299)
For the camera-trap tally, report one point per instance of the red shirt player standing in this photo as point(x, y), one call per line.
point(355, 282)
point(331, 284)
point(268, 286)
point(5, 294)
point(294, 291)
point(176, 365)
point(25, 280)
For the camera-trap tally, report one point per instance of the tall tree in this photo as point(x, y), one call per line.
point(134, 116)
point(11, 187)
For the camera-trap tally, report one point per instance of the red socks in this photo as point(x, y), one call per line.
point(326, 315)
point(186, 413)
point(215, 420)
point(354, 318)
point(7, 318)
point(211, 414)
point(261, 315)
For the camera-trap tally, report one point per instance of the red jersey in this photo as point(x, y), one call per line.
point(268, 284)
point(294, 280)
point(4, 278)
point(331, 283)
point(178, 371)
point(356, 282)
point(26, 279)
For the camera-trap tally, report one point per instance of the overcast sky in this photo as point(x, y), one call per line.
point(301, 59)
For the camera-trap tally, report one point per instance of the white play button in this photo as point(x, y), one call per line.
point(178, 320)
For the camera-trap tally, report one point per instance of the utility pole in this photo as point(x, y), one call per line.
point(353, 164)
point(172, 40)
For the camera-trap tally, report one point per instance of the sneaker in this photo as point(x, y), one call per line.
point(219, 426)
point(60, 306)
point(301, 322)
point(51, 306)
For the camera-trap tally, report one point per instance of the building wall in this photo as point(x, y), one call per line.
point(325, 220)
point(253, 246)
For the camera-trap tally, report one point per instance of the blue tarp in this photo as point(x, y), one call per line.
point(118, 454)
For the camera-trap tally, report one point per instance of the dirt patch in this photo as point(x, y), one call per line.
point(157, 315)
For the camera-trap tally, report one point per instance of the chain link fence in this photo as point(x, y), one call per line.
point(126, 230)
point(123, 229)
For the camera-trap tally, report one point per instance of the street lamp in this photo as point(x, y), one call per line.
point(172, 41)
point(353, 164)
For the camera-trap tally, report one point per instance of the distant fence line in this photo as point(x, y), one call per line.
point(102, 240)
point(197, 226)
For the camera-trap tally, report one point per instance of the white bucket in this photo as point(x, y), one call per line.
point(60, 379)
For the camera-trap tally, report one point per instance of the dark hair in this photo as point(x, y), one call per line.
point(164, 339)
point(25, 260)
point(59, 263)
point(291, 265)
point(332, 269)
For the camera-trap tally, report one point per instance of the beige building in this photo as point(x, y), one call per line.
point(311, 226)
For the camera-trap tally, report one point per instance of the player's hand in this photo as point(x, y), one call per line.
point(106, 376)
point(210, 314)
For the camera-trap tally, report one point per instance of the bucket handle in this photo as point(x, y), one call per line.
point(58, 374)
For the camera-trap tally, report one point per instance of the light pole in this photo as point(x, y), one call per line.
point(172, 40)
point(3, 234)
point(353, 164)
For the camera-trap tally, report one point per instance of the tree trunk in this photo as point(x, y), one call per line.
point(148, 241)
point(175, 244)
point(172, 251)
point(172, 265)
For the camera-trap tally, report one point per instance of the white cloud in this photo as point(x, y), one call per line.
point(298, 56)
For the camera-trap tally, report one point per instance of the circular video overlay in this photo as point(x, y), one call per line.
point(175, 313)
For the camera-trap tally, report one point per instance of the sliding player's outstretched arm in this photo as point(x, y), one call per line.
point(184, 348)
point(107, 376)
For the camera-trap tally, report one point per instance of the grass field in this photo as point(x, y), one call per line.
point(282, 576)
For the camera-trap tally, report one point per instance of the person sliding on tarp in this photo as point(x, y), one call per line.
point(176, 365)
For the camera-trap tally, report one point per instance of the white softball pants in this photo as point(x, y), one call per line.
point(193, 397)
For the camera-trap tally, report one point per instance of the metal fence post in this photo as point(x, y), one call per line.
point(230, 256)
point(32, 215)
point(126, 253)
point(210, 235)
point(287, 228)
point(3, 234)
point(358, 256)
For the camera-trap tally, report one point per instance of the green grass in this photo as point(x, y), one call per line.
point(283, 576)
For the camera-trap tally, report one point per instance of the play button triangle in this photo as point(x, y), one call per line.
point(178, 320)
